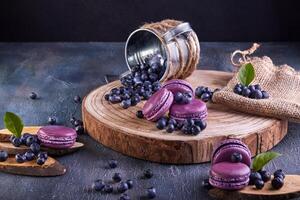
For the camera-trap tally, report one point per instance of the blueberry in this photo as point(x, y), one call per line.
point(253, 177)
point(29, 140)
point(236, 157)
point(246, 92)
point(178, 97)
point(256, 94)
point(122, 187)
point(151, 193)
point(201, 124)
point(77, 99)
point(29, 155)
point(33, 95)
point(189, 122)
point(115, 91)
point(277, 183)
point(251, 88)
point(153, 77)
point(78, 122)
point(257, 87)
point(114, 99)
point(112, 163)
point(72, 120)
point(265, 95)
point(16, 142)
point(43, 155)
point(172, 121)
point(179, 125)
point(35, 147)
point(24, 137)
point(170, 128)
point(237, 90)
point(20, 158)
point(117, 177)
point(187, 98)
point(40, 161)
point(124, 197)
point(126, 103)
point(205, 97)
point(129, 183)
point(279, 173)
point(265, 175)
point(108, 188)
point(144, 77)
point(205, 184)
point(52, 120)
point(98, 185)
point(147, 95)
point(259, 184)
point(135, 100)
point(148, 173)
point(195, 130)
point(238, 85)
point(79, 130)
point(11, 138)
point(106, 97)
point(125, 96)
point(140, 114)
point(3, 156)
point(161, 123)
point(199, 91)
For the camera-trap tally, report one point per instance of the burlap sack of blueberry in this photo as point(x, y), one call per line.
point(279, 86)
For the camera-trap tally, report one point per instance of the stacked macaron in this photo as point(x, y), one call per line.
point(176, 98)
point(57, 137)
point(230, 169)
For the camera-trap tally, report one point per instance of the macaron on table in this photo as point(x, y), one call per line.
point(121, 130)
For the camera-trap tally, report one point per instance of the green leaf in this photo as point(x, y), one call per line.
point(262, 159)
point(246, 74)
point(13, 123)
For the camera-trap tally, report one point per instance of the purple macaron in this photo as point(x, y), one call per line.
point(224, 173)
point(158, 104)
point(178, 85)
point(57, 137)
point(196, 110)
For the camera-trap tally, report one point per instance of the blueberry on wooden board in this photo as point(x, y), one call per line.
point(170, 128)
point(35, 147)
point(151, 193)
point(259, 184)
point(265, 175)
point(30, 140)
point(117, 177)
point(199, 91)
point(112, 163)
point(161, 123)
point(279, 173)
point(202, 124)
point(126, 103)
point(106, 97)
point(29, 155)
point(43, 155)
point(20, 158)
point(3, 156)
point(40, 161)
point(195, 130)
point(16, 142)
point(236, 157)
point(140, 114)
point(98, 185)
point(277, 183)
point(205, 97)
point(33, 95)
point(253, 176)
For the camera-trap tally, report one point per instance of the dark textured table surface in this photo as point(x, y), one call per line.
point(59, 71)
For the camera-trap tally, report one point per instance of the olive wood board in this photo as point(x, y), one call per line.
point(121, 130)
point(11, 149)
point(290, 189)
point(50, 168)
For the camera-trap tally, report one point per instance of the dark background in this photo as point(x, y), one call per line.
point(113, 20)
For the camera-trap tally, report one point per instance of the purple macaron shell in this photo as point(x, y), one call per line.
point(58, 137)
point(230, 176)
point(178, 85)
point(158, 104)
point(195, 110)
point(226, 148)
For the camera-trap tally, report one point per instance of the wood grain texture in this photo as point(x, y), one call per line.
point(122, 131)
point(290, 189)
point(5, 134)
point(50, 168)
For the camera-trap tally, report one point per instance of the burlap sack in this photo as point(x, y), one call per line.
point(281, 82)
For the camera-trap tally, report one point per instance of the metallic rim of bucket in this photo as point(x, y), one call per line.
point(158, 37)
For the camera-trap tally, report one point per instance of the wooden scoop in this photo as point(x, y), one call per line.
point(290, 189)
point(50, 168)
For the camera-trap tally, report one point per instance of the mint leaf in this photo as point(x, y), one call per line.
point(262, 159)
point(246, 74)
point(13, 123)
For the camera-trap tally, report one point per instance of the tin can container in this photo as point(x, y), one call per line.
point(174, 40)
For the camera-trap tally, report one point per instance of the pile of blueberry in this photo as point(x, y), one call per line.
point(205, 93)
point(251, 91)
point(33, 143)
point(101, 186)
point(260, 177)
point(140, 84)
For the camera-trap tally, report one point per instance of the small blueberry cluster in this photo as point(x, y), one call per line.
point(78, 125)
point(33, 143)
point(100, 186)
point(140, 84)
point(205, 93)
point(183, 98)
point(260, 177)
point(251, 91)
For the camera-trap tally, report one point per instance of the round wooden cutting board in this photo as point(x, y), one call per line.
point(122, 131)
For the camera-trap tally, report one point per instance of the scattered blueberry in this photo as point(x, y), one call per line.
point(35, 147)
point(265, 175)
point(205, 97)
point(117, 177)
point(72, 120)
point(40, 161)
point(43, 155)
point(202, 124)
point(279, 173)
point(126, 103)
point(199, 91)
point(3, 156)
point(122, 187)
point(106, 97)
point(151, 193)
point(129, 183)
point(259, 184)
point(161, 123)
point(195, 130)
point(16, 142)
point(170, 128)
point(79, 130)
point(20, 158)
point(246, 92)
point(236, 157)
point(257, 94)
point(140, 114)
point(112, 163)
point(77, 99)
point(52, 120)
point(253, 177)
point(265, 95)
point(124, 197)
point(178, 97)
point(277, 183)
point(29, 155)
point(148, 173)
point(205, 184)
point(237, 90)
point(29, 140)
point(98, 185)
point(78, 122)
point(33, 95)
